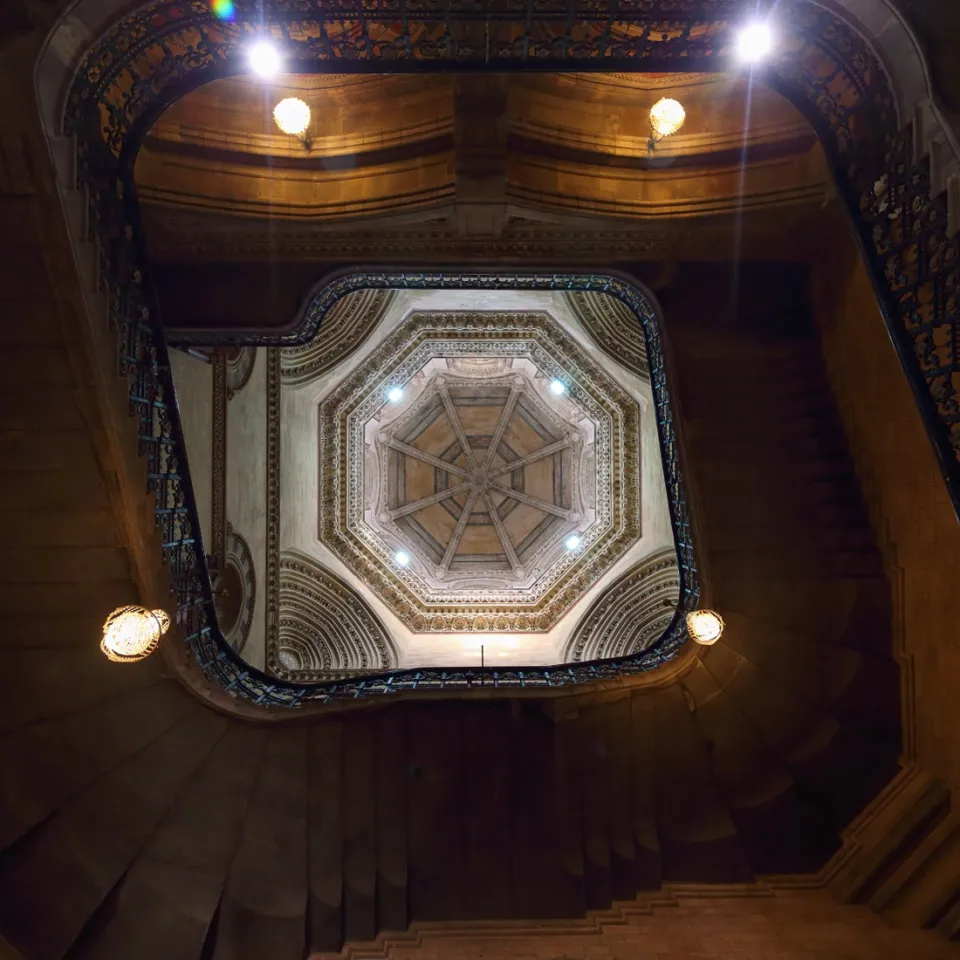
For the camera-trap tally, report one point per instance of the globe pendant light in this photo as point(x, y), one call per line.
point(132, 633)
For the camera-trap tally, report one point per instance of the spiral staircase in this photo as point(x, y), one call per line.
point(138, 822)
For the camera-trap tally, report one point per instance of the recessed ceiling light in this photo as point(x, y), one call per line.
point(572, 542)
point(754, 42)
point(402, 558)
point(395, 394)
point(557, 387)
point(264, 59)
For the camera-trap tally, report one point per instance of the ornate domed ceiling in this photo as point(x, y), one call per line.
point(504, 477)
point(420, 468)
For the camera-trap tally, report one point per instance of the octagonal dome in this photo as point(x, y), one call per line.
point(480, 475)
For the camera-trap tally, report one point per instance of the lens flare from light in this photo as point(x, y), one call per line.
point(557, 387)
point(264, 59)
point(402, 558)
point(754, 42)
point(395, 395)
point(572, 542)
point(292, 116)
point(666, 117)
point(223, 9)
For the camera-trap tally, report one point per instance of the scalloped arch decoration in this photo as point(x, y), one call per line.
point(326, 629)
point(631, 614)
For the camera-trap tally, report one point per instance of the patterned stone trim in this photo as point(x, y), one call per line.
point(273, 500)
point(631, 614)
point(496, 334)
point(344, 329)
point(326, 629)
point(614, 327)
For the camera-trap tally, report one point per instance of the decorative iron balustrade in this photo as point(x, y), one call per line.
point(158, 53)
point(145, 362)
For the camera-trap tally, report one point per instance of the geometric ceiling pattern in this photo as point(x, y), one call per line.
point(480, 473)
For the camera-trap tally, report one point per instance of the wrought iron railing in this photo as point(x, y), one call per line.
point(143, 359)
point(159, 52)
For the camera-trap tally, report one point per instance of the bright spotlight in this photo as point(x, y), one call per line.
point(557, 387)
point(402, 558)
point(395, 395)
point(755, 42)
point(292, 116)
point(264, 59)
point(572, 542)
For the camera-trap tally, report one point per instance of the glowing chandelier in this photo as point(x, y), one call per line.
point(704, 626)
point(666, 118)
point(292, 116)
point(132, 633)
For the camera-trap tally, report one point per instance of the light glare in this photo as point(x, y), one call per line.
point(264, 59)
point(402, 558)
point(395, 395)
point(572, 542)
point(754, 42)
point(666, 117)
point(557, 387)
point(292, 116)
point(705, 626)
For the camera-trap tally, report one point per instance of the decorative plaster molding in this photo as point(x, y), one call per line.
point(613, 326)
point(325, 629)
point(272, 505)
point(630, 614)
point(534, 336)
point(345, 328)
point(238, 560)
point(239, 369)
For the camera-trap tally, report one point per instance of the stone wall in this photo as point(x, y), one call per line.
point(908, 503)
point(747, 923)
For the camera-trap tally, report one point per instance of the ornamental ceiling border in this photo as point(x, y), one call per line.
point(631, 613)
point(345, 328)
point(328, 623)
point(324, 299)
point(156, 54)
point(513, 334)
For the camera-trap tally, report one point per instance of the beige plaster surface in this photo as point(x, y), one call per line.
point(246, 495)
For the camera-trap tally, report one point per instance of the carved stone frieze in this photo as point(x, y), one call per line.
point(612, 324)
point(239, 367)
point(431, 594)
point(631, 614)
point(325, 628)
point(344, 329)
point(235, 591)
